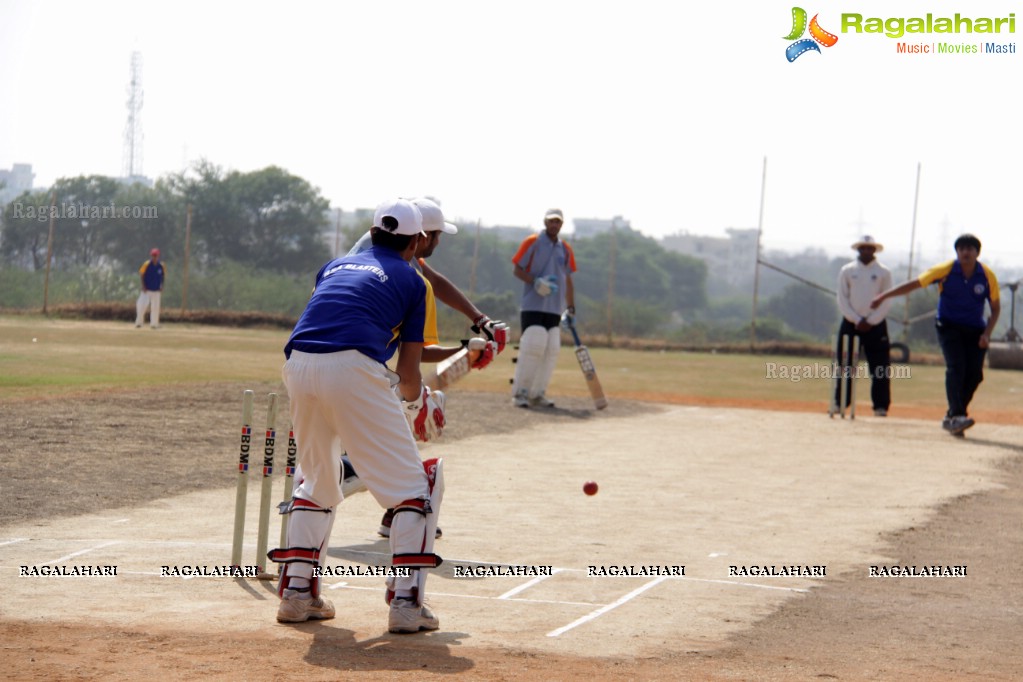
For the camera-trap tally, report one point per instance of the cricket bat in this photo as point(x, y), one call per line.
point(452, 369)
point(582, 354)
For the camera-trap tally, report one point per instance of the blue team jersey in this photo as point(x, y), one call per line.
point(961, 300)
point(152, 275)
point(368, 302)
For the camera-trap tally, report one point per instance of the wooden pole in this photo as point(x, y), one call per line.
point(912, 244)
point(756, 267)
point(184, 267)
point(49, 251)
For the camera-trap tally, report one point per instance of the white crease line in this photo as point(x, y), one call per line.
point(12, 541)
point(80, 552)
point(476, 596)
point(526, 585)
point(733, 582)
point(604, 609)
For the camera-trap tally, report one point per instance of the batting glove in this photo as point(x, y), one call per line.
point(568, 318)
point(487, 351)
point(425, 415)
point(494, 330)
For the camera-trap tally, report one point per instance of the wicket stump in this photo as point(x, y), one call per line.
point(846, 365)
point(266, 490)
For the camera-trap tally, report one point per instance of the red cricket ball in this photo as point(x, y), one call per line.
point(590, 488)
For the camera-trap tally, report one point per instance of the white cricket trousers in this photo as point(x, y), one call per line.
point(148, 299)
point(348, 395)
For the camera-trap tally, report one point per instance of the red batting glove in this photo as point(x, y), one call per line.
point(487, 352)
point(495, 330)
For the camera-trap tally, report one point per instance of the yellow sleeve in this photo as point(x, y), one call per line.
point(938, 272)
point(992, 283)
point(430, 335)
point(142, 270)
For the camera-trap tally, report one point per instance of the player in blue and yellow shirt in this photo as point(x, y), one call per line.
point(964, 285)
point(363, 310)
point(151, 276)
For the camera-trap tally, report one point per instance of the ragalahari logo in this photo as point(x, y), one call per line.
point(817, 35)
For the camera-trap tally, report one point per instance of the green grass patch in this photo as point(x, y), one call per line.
point(76, 356)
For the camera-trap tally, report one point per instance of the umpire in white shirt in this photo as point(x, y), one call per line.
point(858, 283)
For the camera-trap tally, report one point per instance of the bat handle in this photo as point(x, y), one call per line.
point(575, 334)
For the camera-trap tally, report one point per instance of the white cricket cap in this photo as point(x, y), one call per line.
point(433, 217)
point(401, 216)
point(554, 214)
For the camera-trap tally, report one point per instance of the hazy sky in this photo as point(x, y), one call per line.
point(661, 112)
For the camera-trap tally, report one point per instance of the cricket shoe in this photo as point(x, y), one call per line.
point(541, 401)
point(946, 424)
point(385, 526)
point(880, 412)
point(521, 399)
point(407, 617)
point(296, 610)
point(960, 424)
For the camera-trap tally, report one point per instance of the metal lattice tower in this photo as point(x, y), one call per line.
point(132, 159)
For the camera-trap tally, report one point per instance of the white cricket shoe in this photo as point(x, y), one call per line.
point(296, 610)
point(541, 401)
point(521, 399)
point(407, 617)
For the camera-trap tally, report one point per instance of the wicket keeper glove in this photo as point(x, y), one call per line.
point(545, 286)
point(487, 351)
point(494, 330)
point(425, 415)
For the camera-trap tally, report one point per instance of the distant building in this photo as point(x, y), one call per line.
point(733, 258)
point(15, 182)
point(590, 227)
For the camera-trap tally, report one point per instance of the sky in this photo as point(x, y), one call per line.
point(679, 117)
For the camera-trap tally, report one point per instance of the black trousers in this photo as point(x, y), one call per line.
point(535, 317)
point(878, 349)
point(964, 364)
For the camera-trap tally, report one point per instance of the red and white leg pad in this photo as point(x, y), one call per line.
point(413, 533)
point(309, 532)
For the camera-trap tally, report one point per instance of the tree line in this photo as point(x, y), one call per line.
point(257, 238)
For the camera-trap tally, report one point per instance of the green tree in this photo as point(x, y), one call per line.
point(81, 221)
point(805, 310)
point(268, 219)
point(25, 231)
point(148, 217)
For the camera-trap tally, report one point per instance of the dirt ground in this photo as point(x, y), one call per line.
point(72, 467)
